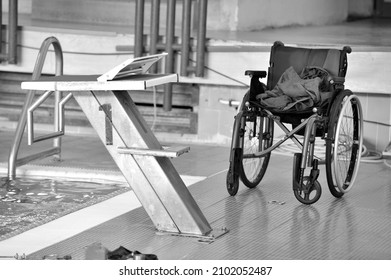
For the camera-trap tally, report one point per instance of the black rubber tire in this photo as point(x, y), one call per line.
point(232, 179)
point(306, 198)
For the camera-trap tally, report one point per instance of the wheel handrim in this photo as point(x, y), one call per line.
point(347, 144)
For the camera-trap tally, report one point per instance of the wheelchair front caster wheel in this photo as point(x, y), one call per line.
point(232, 182)
point(308, 193)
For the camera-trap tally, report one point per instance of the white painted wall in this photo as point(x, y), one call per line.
point(361, 8)
point(238, 15)
point(24, 6)
point(277, 13)
point(222, 15)
point(259, 14)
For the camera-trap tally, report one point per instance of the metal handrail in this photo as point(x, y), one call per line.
point(61, 116)
point(10, 54)
point(13, 162)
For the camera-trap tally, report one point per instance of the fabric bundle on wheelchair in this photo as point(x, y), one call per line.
point(294, 92)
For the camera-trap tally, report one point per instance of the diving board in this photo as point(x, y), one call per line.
point(142, 160)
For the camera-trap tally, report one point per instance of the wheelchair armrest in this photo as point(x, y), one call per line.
point(255, 73)
point(336, 80)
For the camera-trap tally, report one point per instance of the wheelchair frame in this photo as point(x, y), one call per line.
point(326, 121)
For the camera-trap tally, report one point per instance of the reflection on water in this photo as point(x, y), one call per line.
point(30, 202)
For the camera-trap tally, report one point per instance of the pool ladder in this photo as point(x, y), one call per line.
point(55, 151)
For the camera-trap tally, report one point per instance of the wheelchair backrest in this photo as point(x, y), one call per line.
point(282, 57)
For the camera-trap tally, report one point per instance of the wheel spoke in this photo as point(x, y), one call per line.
point(257, 137)
point(251, 146)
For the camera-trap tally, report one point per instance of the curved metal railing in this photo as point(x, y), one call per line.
point(13, 161)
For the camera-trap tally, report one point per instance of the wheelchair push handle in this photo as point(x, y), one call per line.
point(255, 73)
point(256, 86)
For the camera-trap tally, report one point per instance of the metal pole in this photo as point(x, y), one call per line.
point(170, 35)
point(154, 36)
point(201, 37)
point(57, 96)
point(186, 22)
point(1, 27)
point(12, 31)
point(18, 136)
point(139, 29)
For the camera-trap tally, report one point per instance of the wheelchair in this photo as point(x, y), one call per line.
point(338, 121)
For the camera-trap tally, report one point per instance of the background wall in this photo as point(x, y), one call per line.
point(361, 8)
point(24, 6)
point(244, 14)
point(256, 15)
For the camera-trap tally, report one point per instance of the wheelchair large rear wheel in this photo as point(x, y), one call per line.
point(257, 136)
point(344, 143)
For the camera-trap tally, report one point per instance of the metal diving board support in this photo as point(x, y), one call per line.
point(142, 160)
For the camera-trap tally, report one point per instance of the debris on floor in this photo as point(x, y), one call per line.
point(97, 251)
